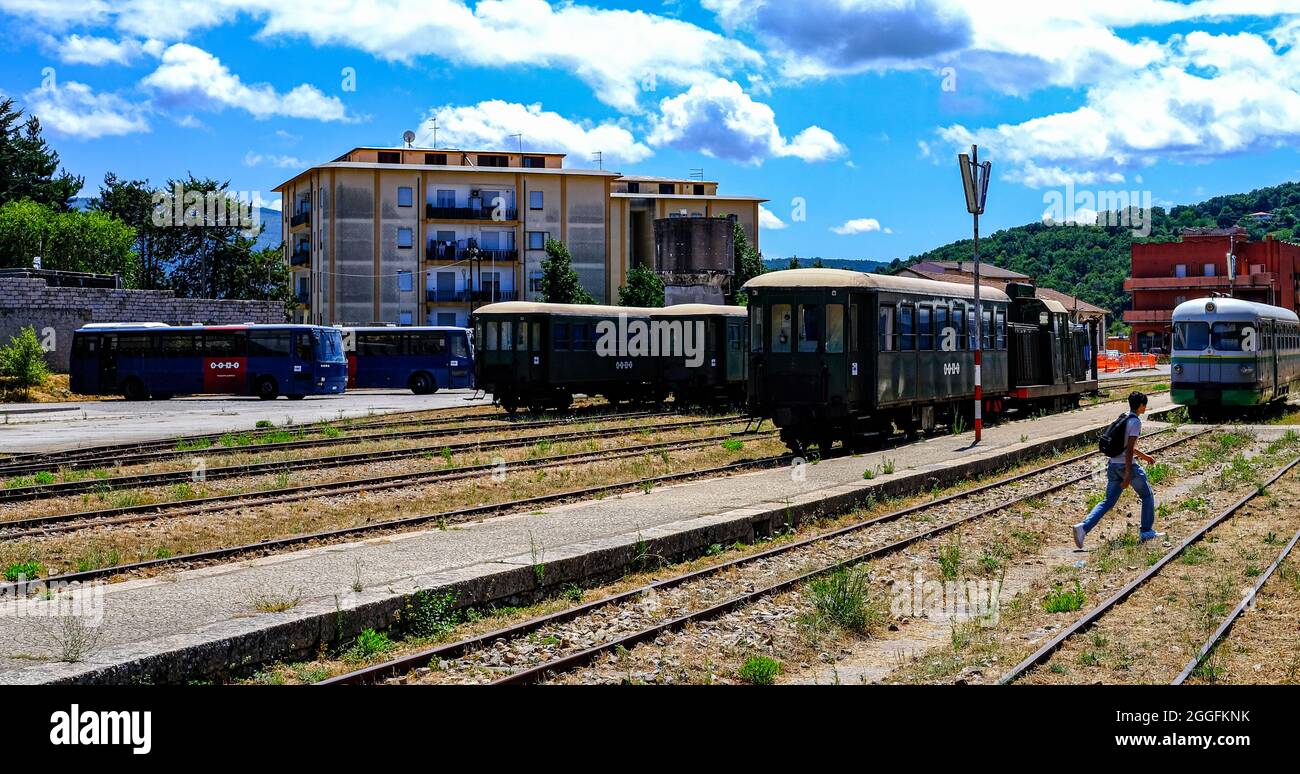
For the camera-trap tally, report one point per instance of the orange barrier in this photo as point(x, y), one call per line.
point(1113, 362)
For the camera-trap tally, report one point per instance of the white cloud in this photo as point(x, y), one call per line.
point(768, 220)
point(191, 76)
point(1210, 96)
point(859, 226)
point(252, 159)
point(491, 124)
point(719, 119)
point(76, 110)
point(92, 50)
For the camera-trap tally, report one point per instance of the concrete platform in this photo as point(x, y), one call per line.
point(202, 623)
point(59, 426)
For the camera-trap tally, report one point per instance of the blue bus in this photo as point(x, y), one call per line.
point(153, 360)
point(421, 359)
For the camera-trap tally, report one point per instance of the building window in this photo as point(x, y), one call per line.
point(405, 197)
point(534, 200)
point(1180, 270)
point(390, 157)
point(436, 159)
point(535, 282)
point(537, 240)
point(534, 162)
point(485, 160)
point(405, 281)
point(634, 188)
point(446, 198)
point(699, 189)
point(666, 188)
point(446, 319)
point(1209, 270)
point(404, 318)
point(404, 238)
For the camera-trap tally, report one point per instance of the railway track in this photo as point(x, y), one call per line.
point(123, 458)
point(391, 525)
point(67, 522)
point(1085, 622)
point(39, 491)
point(111, 454)
point(584, 656)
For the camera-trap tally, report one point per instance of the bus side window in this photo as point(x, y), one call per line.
point(302, 347)
point(459, 347)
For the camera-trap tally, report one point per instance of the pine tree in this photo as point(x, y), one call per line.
point(644, 288)
point(27, 165)
point(748, 263)
point(559, 281)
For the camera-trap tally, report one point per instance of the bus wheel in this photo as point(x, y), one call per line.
point(422, 384)
point(133, 389)
point(267, 389)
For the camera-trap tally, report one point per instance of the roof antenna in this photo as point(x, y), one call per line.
point(520, 137)
point(408, 137)
point(599, 159)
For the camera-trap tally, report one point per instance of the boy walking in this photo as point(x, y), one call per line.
point(1122, 472)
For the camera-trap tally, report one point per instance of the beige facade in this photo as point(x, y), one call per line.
point(382, 235)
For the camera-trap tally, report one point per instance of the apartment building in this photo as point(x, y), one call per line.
point(1164, 275)
point(415, 236)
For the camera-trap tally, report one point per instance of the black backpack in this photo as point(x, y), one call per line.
point(1115, 438)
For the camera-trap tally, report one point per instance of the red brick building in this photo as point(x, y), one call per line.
point(1165, 275)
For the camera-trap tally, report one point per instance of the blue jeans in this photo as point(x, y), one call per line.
point(1115, 488)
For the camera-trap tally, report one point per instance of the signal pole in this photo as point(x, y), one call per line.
point(975, 182)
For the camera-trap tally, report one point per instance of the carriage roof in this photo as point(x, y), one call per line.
point(844, 278)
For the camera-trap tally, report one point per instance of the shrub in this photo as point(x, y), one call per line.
point(23, 360)
point(760, 670)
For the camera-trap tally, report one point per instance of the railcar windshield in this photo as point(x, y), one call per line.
point(1227, 336)
point(1191, 335)
point(329, 346)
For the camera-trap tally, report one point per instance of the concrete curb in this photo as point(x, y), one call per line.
point(236, 646)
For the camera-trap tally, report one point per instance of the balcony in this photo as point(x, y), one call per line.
point(465, 296)
point(1201, 283)
point(436, 252)
point(300, 257)
point(468, 213)
point(301, 219)
point(1148, 315)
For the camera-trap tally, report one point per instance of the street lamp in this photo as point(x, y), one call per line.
point(975, 183)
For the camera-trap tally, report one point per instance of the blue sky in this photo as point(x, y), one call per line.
point(845, 113)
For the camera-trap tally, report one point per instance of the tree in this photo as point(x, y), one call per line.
point(67, 241)
point(559, 281)
point(23, 360)
point(27, 165)
point(132, 202)
point(748, 262)
point(644, 288)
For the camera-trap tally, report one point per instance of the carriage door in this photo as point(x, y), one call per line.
point(854, 370)
point(735, 353)
point(1271, 359)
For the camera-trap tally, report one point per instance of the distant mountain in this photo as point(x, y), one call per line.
point(271, 219)
point(852, 264)
point(1092, 262)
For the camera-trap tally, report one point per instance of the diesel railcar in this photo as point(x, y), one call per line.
point(838, 355)
point(1233, 353)
point(539, 355)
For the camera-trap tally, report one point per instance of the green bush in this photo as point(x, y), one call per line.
point(760, 670)
point(23, 360)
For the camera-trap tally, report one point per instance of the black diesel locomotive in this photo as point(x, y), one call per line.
point(839, 355)
point(539, 355)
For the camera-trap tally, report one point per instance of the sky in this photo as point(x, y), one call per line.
point(845, 114)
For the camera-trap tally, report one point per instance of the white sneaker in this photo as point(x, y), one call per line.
point(1151, 536)
point(1079, 535)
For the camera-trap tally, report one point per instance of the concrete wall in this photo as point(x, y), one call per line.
point(57, 312)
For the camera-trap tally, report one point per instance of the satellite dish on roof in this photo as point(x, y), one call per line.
point(409, 137)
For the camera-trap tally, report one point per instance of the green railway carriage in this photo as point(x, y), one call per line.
point(714, 371)
point(540, 355)
point(836, 355)
point(1233, 353)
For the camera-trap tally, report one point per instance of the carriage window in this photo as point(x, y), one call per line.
point(886, 329)
point(507, 337)
point(988, 329)
point(810, 327)
point(970, 327)
point(959, 325)
point(943, 334)
point(478, 335)
point(906, 332)
point(537, 336)
point(1001, 342)
point(835, 327)
point(923, 328)
point(561, 335)
point(1191, 335)
point(490, 340)
point(855, 314)
point(733, 338)
point(521, 336)
point(581, 337)
point(756, 322)
point(781, 324)
point(1227, 336)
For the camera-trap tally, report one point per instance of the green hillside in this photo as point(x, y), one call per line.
point(1091, 262)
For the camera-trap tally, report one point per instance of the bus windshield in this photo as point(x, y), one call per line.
point(329, 346)
point(1191, 335)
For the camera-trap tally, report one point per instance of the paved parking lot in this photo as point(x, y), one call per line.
point(55, 426)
